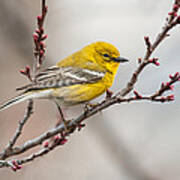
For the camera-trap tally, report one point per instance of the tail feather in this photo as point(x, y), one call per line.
point(24, 97)
point(14, 101)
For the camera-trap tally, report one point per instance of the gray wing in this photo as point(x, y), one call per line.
point(55, 77)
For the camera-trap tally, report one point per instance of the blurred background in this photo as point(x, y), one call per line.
point(136, 141)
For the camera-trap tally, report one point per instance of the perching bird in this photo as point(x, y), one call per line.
point(79, 78)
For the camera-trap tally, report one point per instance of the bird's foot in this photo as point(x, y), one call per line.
point(108, 94)
point(88, 106)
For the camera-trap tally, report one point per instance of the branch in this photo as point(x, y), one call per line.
point(74, 124)
point(39, 37)
point(39, 53)
point(172, 21)
point(18, 130)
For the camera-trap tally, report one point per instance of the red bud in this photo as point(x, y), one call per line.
point(170, 97)
point(170, 76)
point(157, 63)
point(63, 141)
point(137, 95)
point(44, 37)
point(146, 38)
point(22, 72)
point(19, 167)
point(46, 144)
point(176, 74)
point(14, 168)
point(39, 18)
point(175, 7)
point(171, 13)
point(56, 137)
point(35, 37)
point(171, 87)
point(37, 31)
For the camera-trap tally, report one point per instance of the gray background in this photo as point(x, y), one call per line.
point(136, 141)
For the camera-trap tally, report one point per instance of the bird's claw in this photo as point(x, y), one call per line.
point(108, 94)
point(88, 106)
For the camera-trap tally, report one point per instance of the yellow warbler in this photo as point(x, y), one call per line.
point(79, 78)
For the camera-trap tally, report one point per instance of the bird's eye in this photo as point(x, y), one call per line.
point(105, 55)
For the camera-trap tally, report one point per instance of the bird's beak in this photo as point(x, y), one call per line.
point(121, 59)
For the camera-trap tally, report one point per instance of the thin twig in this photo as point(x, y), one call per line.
point(6, 163)
point(18, 130)
point(39, 37)
point(171, 22)
point(42, 151)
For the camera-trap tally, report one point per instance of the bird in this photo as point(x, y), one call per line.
point(77, 79)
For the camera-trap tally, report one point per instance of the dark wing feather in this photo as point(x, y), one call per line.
point(55, 77)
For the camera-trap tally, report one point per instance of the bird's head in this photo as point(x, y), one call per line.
point(107, 56)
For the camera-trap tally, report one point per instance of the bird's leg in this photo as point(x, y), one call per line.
point(62, 117)
point(61, 113)
point(58, 138)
